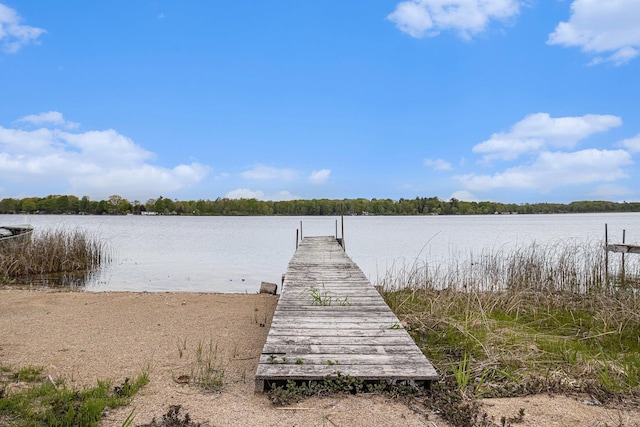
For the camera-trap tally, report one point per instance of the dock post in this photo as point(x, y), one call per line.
point(297, 238)
point(623, 242)
point(606, 257)
point(342, 222)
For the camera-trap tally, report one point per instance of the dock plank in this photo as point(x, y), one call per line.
point(330, 320)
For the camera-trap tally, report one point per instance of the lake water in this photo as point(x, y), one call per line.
point(235, 254)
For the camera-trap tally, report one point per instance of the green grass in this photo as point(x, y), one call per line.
point(513, 339)
point(324, 298)
point(28, 374)
point(46, 402)
point(205, 367)
point(320, 297)
point(293, 391)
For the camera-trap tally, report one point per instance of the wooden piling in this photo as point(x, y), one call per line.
point(624, 232)
point(342, 221)
point(606, 256)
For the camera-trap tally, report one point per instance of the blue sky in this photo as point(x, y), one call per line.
point(505, 100)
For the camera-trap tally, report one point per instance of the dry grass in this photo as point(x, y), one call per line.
point(51, 252)
point(574, 267)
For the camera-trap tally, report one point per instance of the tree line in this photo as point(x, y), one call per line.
point(117, 205)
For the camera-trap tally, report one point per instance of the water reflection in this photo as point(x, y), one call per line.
point(76, 280)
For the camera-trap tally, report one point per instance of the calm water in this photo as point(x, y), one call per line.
point(235, 254)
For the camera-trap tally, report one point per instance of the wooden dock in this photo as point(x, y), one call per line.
point(623, 248)
point(330, 319)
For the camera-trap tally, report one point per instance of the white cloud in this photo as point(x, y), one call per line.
point(54, 118)
point(320, 176)
point(438, 164)
point(465, 196)
point(14, 36)
point(600, 27)
point(540, 131)
point(610, 192)
point(556, 169)
point(143, 180)
point(263, 173)
point(412, 18)
point(94, 163)
point(632, 144)
point(283, 195)
point(245, 193)
point(108, 146)
point(420, 18)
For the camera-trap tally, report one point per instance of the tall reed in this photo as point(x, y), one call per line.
point(561, 267)
point(51, 252)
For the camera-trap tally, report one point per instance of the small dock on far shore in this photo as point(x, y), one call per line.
point(330, 320)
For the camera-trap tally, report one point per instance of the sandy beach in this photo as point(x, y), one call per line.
point(82, 337)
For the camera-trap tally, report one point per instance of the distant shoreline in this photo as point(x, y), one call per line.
point(117, 205)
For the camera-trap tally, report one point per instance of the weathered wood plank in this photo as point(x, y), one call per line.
point(371, 333)
point(365, 372)
point(341, 359)
point(298, 319)
point(313, 312)
point(335, 340)
point(354, 333)
point(344, 329)
point(326, 322)
point(373, 348)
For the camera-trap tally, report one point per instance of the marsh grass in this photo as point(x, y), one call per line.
point(572, 266)
point(45, 402)
point(60, 255)
point(531, 320)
